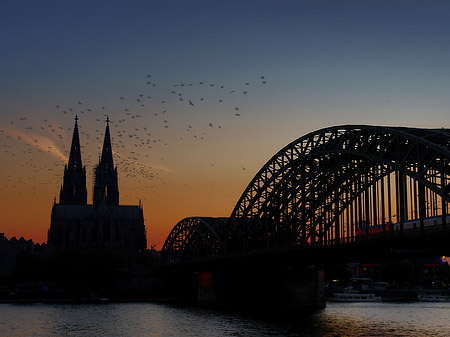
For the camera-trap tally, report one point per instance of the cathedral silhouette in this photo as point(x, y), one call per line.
point(75, 224)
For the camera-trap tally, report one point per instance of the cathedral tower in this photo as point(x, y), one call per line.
point(106, 188)
point(73, 191)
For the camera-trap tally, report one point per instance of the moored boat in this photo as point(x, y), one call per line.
point(433, 298)
point(354, 296)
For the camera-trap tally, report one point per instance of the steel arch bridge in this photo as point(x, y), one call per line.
point(333, 186)
point(195, 238)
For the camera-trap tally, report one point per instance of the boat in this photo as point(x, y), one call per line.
point(358, 290)
point(433, 298)
point(354, 296)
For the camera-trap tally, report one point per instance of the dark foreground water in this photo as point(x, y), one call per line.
point(148, 319)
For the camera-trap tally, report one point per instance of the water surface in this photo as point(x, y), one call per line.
point(149, 319)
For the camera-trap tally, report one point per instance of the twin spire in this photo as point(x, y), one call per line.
point(73, 190)
point(106, 190)
point(107, 158)
point(75, 152)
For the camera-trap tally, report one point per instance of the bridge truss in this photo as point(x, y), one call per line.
point(333, 185)
point(195, 238)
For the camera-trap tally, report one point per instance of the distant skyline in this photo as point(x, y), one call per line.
point(200, 93)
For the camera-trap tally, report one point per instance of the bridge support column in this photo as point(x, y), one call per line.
point(207, 294)
point(303, 288)
point(263, 288)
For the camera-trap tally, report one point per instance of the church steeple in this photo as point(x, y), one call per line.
point(107, 158)
point(106, 189)
point(74, 190)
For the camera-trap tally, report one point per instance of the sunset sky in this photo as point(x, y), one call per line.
point(201, 94)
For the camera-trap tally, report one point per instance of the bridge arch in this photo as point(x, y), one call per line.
point(326, 186)
point(194, 238)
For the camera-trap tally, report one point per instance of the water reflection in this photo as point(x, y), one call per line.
point(148, 319)
point(387, 319)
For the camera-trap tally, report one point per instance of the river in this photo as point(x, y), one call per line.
point(150, 319)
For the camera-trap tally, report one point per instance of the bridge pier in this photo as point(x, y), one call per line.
point(207, 293)
point(301, 288)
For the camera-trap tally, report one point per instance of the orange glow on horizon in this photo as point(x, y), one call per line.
point(28, 205)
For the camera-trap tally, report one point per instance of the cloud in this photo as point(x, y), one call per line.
point(151, 166)
point(40, 142)
point(162, 168)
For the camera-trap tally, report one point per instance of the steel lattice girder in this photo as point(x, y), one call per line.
point(415, 152)
point(394, 146)
point(195, 237)
point(315, 176)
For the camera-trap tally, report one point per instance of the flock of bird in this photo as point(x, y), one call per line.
point(142, 125)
